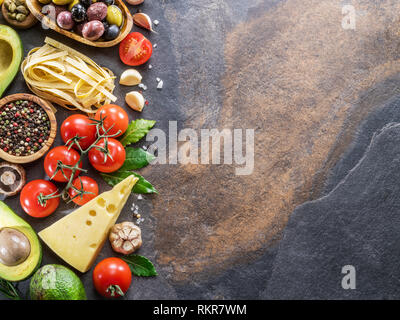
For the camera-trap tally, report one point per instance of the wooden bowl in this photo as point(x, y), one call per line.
point(30, 20)
point(36, 8)
point(53, 127)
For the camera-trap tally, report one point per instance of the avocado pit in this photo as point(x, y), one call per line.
point(12, 178)
point(15, 247)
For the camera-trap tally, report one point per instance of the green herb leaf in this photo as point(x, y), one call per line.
point(8, 289)
point(142, 186)
point(137, 130)
point(136, 158)
point(140, 266)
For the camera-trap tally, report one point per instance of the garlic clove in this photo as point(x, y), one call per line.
point(143, 20)
point(135, 2)
point(135, 100)
point(130, 77)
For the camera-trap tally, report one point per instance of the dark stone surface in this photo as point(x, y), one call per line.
point(356, 223)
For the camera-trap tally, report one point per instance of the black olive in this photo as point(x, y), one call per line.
point(78, 12)
point(108, 2)
point(111, 32)
point(86, 3)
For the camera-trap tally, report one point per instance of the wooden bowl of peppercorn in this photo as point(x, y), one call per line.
point(28, 127)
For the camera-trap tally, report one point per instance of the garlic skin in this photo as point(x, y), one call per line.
point(135, 2)
point(125, 237)
point(130, 77)
point(143, 20)
point(135, 100)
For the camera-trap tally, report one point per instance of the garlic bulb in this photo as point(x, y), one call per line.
point(135, 100)
point(125, 237)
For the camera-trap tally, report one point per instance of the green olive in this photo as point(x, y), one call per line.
point(12, 7)
point(114, 15)
point(74, 2)
point(22, 9)
point(20, 17)
point(62, 2)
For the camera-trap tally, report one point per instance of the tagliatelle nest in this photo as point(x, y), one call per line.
point(62, 75)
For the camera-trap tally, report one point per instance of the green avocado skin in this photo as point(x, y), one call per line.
point(9, 219)
point(8, 73)
point(56, 282)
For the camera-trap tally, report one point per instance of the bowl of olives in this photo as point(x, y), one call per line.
point(98, 23)
point(17, 14)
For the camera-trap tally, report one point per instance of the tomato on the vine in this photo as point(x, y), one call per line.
point(67, 156)
point(112, 277)
point(81, 126)
point(86, 184)
point(29, 198)
point(107, 162)
point(114, 117)
point(135, 49)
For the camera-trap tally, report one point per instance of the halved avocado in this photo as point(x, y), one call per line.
point(20, 249)
point(11, 54)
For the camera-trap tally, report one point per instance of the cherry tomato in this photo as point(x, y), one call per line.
point(114, 117)
point(67, 157)
point(81, 126)
point(103, 163)
point(29, 198)
point(135, 49)
point(112, 277)
point(88, 185)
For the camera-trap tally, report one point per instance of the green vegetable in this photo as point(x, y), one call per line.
point(8, 289)
point(140, 266)
point(137, 130)
point(142, 186)
point(136, 158)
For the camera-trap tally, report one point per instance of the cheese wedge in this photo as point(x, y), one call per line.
point(78, 237)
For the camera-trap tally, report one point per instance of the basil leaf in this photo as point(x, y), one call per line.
point(137, 130)
point(140, 266)
point(7, 288)
point(136, 158)
point(142, 186)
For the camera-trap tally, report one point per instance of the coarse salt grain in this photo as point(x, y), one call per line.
point(160, 85)
point(156, 22)
point(155, 45)
point(143, 86)
point(139, 197)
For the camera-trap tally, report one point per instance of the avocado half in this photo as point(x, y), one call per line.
point(11, 221)
point(11, 54)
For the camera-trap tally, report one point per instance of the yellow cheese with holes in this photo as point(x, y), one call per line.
point(78, 237)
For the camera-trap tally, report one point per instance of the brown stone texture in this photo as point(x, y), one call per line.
point(292, 73)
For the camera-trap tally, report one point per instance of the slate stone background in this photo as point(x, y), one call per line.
point(324, 104)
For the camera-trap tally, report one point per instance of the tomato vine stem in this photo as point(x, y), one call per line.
point(76, 169)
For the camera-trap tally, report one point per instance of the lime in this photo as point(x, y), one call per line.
point(56, 282)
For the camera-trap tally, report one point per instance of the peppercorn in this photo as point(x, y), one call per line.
point(24, 117)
